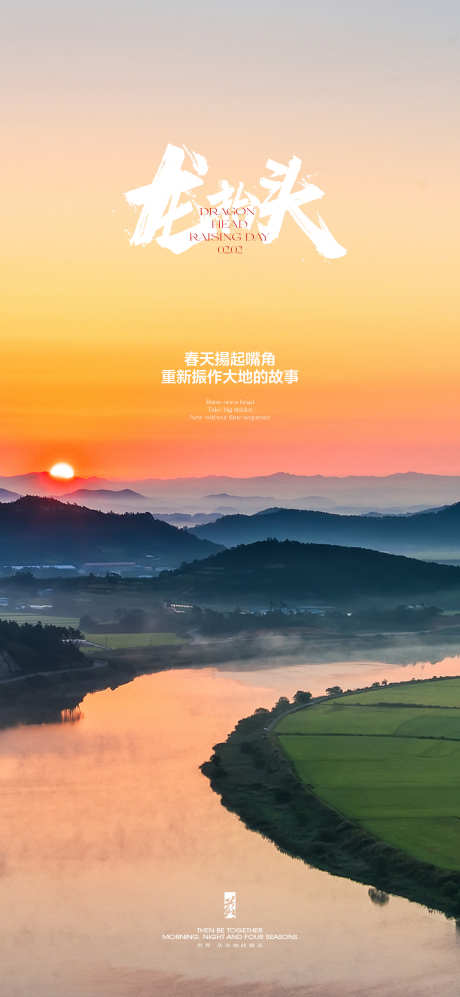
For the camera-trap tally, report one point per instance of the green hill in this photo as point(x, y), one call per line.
point(44, 530)
point(289, 571)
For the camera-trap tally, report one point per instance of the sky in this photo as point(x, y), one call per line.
point(367, 96)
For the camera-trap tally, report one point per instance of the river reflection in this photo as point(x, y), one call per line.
point(110, 838)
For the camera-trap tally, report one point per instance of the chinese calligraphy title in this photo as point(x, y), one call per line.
point(161, 206)
point(225, 367)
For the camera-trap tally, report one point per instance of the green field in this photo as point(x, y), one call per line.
point(393, 768)
point(117, 642)
point(444, 692)
point(110, 641)
point(54, 621)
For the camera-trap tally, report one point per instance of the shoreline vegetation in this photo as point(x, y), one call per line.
point(256, 779)
point(42, 693)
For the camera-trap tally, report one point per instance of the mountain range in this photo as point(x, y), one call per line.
point(431, 533)
point(36, 530)
point(357, 493)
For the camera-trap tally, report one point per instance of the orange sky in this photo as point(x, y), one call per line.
point(90, 322)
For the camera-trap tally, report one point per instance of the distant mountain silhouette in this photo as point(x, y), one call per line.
point(7, 496)
point(239, 498)
point(42, 530)
point(43, 483)
point(348, 492)
point(187, 518)
point(432, 531)
point(122, 494)
point(288, 571)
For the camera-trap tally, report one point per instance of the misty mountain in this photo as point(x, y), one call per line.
point(430, 532)
point(240, 498)
point(40, 530)
point(187, 518)
point(108, 500)
point(7, 496)
point(289, 572)
point(42, 483)
point(401, 490)
point(357, 492)
point(122, 495)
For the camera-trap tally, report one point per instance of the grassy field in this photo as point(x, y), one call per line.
point(110, 641)
point(55, 621)
point(117, 642)
point(393, 768)
point(445, 692)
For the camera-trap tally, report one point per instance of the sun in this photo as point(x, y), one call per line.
point(62, 470)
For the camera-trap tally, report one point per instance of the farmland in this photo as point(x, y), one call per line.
point(43, 618)
point(118, 642)
point(389, 760)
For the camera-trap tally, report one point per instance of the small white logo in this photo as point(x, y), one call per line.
point(229, 904)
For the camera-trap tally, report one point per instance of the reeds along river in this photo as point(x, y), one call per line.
point(112, 843)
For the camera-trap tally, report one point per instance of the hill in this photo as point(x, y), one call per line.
point(122, 494)
point(7, 496)
point(42, 530)
point(109, 500)
point(431, 531)
point(290, 572)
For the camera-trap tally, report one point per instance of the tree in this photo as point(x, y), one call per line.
point(282, 704)
point(334, 690)
point(378, 897)
point(301, 696)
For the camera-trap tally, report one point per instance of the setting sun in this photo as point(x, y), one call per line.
point(62, 470)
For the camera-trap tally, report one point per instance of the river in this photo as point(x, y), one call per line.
point(112, 843)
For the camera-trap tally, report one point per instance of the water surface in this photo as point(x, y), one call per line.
point(110, 839)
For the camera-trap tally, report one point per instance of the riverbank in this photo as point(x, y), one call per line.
point(256, 780)
point(42, 696)
point(48, 697)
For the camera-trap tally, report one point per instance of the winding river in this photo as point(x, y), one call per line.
point(112, 846)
